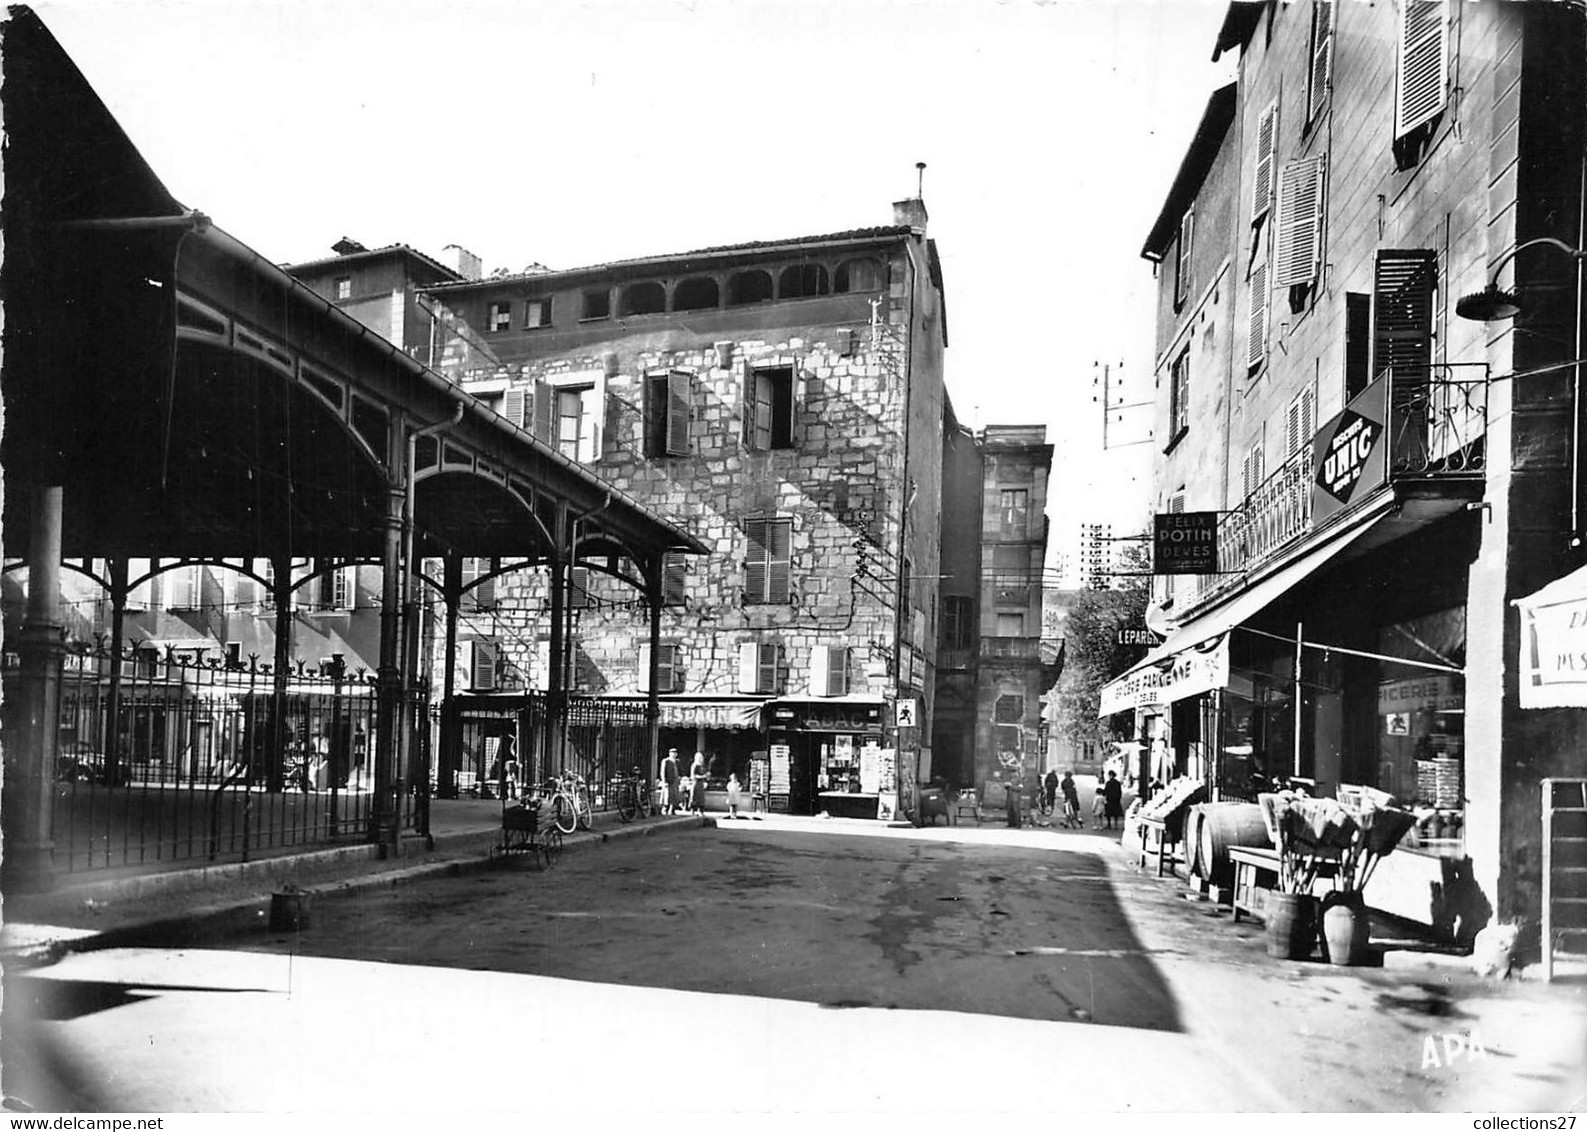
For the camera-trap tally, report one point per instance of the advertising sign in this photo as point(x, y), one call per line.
point(1348, 453)
point(1138, 636)
point(1188, 673)
point(1553, 662)
point(1185, 542)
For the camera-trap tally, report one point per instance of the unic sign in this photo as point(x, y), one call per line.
point(1347, 454)
point(1185, 542)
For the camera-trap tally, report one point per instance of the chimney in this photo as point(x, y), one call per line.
point(462, 261)
point(348, 246)
point(910, 212)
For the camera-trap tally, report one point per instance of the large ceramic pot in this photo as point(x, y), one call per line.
point(1291, 924)
point(1346, 928)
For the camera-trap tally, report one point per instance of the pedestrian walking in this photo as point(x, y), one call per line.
point(734, 795)
point(1113, 793)
point(669, 775)
point(1072, 817)
point(1049, 791)
point(697, 777)
point(1099, 805)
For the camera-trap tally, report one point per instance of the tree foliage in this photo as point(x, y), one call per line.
point(1093, 655)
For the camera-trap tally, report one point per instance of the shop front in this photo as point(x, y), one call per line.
point(727, 730)
point(826, 756)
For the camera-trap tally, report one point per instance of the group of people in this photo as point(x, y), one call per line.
point(673, 780)
point(1107, 806)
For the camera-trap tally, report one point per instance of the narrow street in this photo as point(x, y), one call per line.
point(836, 967)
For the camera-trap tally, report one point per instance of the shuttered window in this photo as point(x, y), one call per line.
point(668, 398)
point(829, 670)
point(1322, 49)
point(515, 407)
point(1423, 85)
point(1179, 395)
point(674, 570)
point(1266, 141)
point(1187, 229)
point(669, 675)
point(1251, 471)
point(482, 595)
point(757, 668)
point(769, 408)
point(767, 563)
point(579, 588)
point(1256, 342)
point(482, 666)
point(1402, 332)
point(544, 410)
point(1300, 220)
point(1300, 421)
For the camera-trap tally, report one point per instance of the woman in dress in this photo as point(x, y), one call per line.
point(1113, 792)
point(697, 775)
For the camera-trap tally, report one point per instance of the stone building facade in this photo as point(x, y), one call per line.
point(783, 401)
point(1386, 475)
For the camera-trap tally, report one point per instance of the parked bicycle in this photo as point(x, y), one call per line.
point(568, 800)
point(634, 796)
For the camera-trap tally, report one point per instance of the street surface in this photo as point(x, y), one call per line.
point(782, 967)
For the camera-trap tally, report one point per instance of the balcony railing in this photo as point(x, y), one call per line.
point(1436, 421)
point(1011, 648)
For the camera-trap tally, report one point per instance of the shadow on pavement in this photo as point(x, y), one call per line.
point(843, 922)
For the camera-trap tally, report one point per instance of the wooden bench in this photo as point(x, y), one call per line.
point(1256, 874)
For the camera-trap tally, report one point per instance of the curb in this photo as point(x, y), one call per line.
point(466, 853)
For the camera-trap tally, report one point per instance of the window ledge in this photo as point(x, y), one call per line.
point(1173, 441)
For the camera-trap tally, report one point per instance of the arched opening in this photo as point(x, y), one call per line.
point(643, 298)
point(698, 294)
point(749, 287)
point(802, 281)
point(859, 275)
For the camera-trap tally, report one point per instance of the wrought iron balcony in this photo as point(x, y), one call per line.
point(1434, 423)
point(1011, 648)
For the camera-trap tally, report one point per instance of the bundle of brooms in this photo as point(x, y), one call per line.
point(1354, 831)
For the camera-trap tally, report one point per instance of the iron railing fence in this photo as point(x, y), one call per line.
point(172, 756)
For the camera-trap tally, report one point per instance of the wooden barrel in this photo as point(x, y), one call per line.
point(1224, 825)
point(1192, 843)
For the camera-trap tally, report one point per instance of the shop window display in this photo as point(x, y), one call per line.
point(1421, 714)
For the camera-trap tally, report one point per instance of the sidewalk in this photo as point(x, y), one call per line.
point(114, 907)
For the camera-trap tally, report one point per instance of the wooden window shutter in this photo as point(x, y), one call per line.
point(749, 667)
point(1403, 313)
point(1423, 63)
point(1299, 229)
point(644, 667)
point(1251, 471)
point(1300, 421)
point(482, 666)
point(766, 668)
point(1322, 47)
point(779, 562)
point(674, 571)
point(1187, 227)
point(579, 588)
point(755, 558)
point(1266, 142)
point(837, 670)
point(762, 411)
point(678, 401)
point(545, 412)
point(1256, 343)
point(513, 406)
point(668, 677)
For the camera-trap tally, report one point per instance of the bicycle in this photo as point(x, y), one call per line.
point(633, 796)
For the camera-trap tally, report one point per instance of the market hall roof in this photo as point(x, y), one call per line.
point(193, 399)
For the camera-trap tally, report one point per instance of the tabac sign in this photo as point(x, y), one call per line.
point(1348, 454)
point(1185, 542)
point(1188, 673)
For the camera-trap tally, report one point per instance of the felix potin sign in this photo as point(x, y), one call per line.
point(1185, 542)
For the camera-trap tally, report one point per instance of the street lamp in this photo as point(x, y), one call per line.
point(1494, 302)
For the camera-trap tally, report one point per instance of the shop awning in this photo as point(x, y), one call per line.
point(1198, 638)
point(1553, 661)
